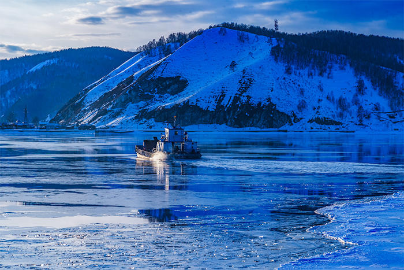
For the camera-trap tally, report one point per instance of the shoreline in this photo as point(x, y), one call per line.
point(129, 131)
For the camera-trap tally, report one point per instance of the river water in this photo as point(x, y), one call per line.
point(73, 199)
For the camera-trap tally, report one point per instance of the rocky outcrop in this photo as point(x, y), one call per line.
point(237, 115)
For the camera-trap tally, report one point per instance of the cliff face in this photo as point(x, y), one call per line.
point(233, 78)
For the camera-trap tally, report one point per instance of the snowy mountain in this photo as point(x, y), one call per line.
point(240, 80)
point(45, 82)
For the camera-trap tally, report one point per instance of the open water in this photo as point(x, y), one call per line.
point(71, 199)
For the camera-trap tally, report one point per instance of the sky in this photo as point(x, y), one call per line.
point(35, 26)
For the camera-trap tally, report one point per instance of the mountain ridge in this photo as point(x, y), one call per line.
point(45, 82)
point(250, 85)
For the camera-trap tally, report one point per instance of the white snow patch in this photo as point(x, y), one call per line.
point(135, 66)
point(43, 64)
point(70, 221)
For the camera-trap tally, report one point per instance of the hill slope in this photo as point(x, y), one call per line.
point(45, 82)
point(238, 79)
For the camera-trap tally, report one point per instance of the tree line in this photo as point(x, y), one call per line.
point(165, 46)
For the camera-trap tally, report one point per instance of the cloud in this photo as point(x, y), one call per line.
point(198, 15)
point(124, 11)
point(86, 37)
point(91, 20)
point(19, 49)
point(270, 4)
point(160, 8)
point(97, 35)
point(115, 23)
point(150, 22)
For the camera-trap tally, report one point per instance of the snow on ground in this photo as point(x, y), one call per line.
point(43, 64)
point(210, 76)
point(136, 66)
point(374, 229)
point(212, 64)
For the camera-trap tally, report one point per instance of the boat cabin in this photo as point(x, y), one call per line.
point(176, 140)
point(175, 134)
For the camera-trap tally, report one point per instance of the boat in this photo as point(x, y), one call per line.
point(173, 144)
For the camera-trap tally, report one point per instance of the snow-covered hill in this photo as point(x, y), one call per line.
point(230, 78)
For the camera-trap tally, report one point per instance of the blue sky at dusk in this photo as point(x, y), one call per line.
point(32, 26)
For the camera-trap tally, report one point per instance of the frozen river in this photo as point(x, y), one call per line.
point(254, 200)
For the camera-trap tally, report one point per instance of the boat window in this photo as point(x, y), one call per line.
point(176, 133)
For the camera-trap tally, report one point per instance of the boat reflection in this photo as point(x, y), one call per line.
point(170, 174)
point(166, 171)
point(159, 215)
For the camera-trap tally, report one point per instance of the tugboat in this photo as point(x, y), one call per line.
point(174, 143)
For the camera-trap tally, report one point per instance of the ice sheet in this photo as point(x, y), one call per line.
point(79, 200)
point(374, 228)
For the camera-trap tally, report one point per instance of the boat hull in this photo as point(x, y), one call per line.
point(164, 155)
point(143, 154)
